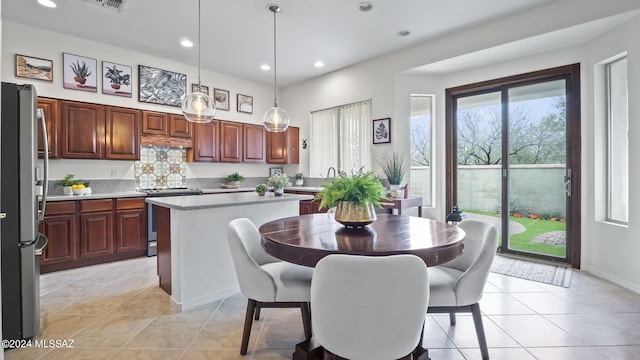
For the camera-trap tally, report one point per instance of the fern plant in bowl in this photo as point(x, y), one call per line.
point(355, 198)
point(233, 181)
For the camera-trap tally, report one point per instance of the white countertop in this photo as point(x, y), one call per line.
point(194, 202)
point(221, 190)
point(305, 188)
point(96, 196)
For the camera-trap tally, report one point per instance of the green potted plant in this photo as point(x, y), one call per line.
point(354, 197)
point(394, 169)
point(278, 183)
point(81, 72)
point(67, 182)
point(233, 181)
point(261, 189)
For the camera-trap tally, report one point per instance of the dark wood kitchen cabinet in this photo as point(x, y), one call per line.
point(180, 127)
point(230, 141)
point(283, 147)
point(96, 228)
point(253, 144)
point(206, 142)
point(122, 135)
point(155, 123)
point(49, 109)
point(60, 227)
point(83, 127)
point(131, 225)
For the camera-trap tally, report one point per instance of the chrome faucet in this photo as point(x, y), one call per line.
point(329, 171)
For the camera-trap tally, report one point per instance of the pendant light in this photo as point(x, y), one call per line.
point(198, 107)
point(275, 119)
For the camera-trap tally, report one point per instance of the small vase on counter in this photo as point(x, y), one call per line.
point(278, 191)
point(67, 190)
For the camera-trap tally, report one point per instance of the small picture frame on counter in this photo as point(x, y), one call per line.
point(275, 171)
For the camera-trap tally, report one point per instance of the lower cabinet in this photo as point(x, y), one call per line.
point(308, 206)
point(88, 232)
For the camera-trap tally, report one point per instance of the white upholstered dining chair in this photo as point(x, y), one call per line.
point(457, 286)
point(266, 281)
point(369, 307)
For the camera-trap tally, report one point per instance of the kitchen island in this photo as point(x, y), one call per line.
point(194, 260)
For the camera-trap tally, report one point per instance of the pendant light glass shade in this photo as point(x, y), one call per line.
point(198, 107)
point(275, 119)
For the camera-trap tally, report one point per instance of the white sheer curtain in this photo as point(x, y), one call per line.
point(341, 138)
point(355, 137)
point(324, 142)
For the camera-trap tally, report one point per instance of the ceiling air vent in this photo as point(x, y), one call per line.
point(112, 4)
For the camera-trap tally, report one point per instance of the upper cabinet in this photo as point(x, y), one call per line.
point(180, 127)
point(122, 135)
point(92, 131)
point(254, 144)
point(282, 147)
point(206, 147)
point(230, 141)
point(49, 109)
point(155, 123)
point(83, 127)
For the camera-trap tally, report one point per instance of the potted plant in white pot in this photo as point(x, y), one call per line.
point(279, 183)
point(67, 183)
point(394, 169)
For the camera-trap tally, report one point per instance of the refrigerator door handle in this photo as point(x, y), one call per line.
point(45, 180)
point(38, 250)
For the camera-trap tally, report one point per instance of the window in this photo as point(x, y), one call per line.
point(617, 141)
point(341, 138)
point(421, 147)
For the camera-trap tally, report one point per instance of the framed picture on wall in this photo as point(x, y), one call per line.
point(80, 73)
point(382, 131)
point(116, 79)
point(221, 99)
point(245, 104)
point(162, 87)
point(275, 171)
point(34, 68)
point(203, 88)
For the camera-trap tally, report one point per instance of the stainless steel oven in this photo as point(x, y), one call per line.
point(152, 214)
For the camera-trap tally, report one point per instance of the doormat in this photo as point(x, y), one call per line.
point(531, 270)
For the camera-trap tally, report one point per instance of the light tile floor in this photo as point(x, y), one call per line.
point(117, 311)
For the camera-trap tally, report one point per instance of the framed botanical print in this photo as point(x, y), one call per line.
point(203, 88)
point(116, 79)
point(382, 131)
point(80, 73)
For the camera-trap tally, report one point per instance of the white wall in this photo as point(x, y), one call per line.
point(28, 40)
point(608, 251)
point(611, 251)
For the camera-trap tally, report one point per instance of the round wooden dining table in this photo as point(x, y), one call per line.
point(306, 239)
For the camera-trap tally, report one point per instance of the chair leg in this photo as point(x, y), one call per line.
point(306, 319)
point(477, 321)
point(452, 318)
point(248, 321)
point(257, 316)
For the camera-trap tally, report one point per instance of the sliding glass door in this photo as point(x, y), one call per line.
point(513, 160)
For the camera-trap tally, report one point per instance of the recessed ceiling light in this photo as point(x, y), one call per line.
point(318, 64)
point(186, 43)
point(47, 3)
point(265, 67)
point(403, 33)
point(365, 6)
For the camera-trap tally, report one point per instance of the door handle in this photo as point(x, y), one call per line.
point(567, 185)
point(3, 216)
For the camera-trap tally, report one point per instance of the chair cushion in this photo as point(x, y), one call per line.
point(442, 283)
point(293, 282)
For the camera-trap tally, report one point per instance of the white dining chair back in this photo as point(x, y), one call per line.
point(369, 307)
point(457, 286)
point(266, 281)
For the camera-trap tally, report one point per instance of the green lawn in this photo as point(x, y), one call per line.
point(522, 241)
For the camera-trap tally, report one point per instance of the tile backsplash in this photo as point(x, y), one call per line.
point(161, 167)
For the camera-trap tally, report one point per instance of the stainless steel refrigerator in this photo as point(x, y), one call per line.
point(22, 210)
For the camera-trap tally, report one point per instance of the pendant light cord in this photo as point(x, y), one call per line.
point(199, 48)
point(275, 63)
